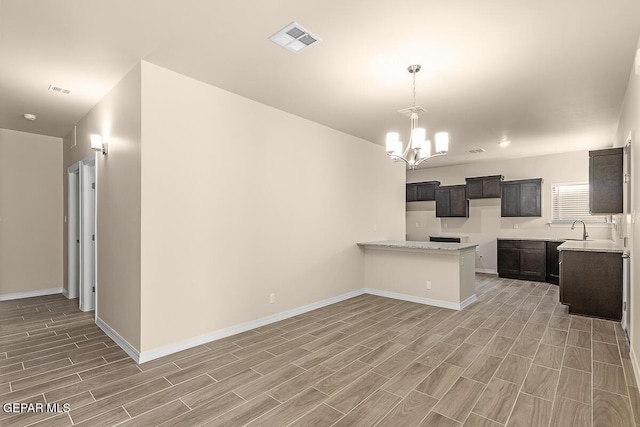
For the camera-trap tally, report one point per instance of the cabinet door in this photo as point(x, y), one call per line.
point(553, 262)
point(530, 199)
point(606, 181)
point(412, 193)
point(591, 283)
point(474, 188)
point(442, 202)
point(426, 191)
point(509, 262)
point(532, 264)
point(491, 187)
point(458, 203)
point(510, 203)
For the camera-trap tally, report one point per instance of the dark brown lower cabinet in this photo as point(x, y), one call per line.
point(553, 262)
point(522, 259)
point(533, 262)
point(509, 258)
point(591, 283)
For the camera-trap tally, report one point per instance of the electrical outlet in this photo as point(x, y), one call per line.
point(417, 225)
point(375, 227)
point(444, 225)
point(515, 226)
point(272, 298)
point(428, 284)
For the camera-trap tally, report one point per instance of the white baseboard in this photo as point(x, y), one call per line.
point(420, 300)
point(146, 356)
point(128, 348)
point(29, 294)
point(65, 292)
point(466, 303)
point(634, 363)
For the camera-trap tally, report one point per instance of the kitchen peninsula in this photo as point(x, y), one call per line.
point(433, 273)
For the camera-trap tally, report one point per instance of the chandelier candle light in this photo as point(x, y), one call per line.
point(419, 148)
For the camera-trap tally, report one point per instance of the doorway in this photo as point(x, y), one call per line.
point(81, 234)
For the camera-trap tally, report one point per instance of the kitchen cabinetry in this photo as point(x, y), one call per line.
point(521, 198)
point(484, 187)
point(422, 191)
point(606, 181)
point(591, 283)
point(553, 259)
point(522, 259)
point(444, 239)
point(451, 201)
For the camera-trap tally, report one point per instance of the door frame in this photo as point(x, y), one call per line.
point(73, 230)
point(88, 238)
point(82, 258)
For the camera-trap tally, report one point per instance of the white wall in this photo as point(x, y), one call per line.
point(485, 224)
point(629, 126)
point(30, 213)
point(240, 200)
point(117, 118)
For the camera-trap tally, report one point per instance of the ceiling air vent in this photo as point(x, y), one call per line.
point(476, 151)
point(59, 89)
point(294, 38)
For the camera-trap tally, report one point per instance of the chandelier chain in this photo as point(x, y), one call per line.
point(414, 90)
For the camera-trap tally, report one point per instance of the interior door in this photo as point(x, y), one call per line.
point(87, 236)
point(73, 231)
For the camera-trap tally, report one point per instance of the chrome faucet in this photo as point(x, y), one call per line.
point(584, 228)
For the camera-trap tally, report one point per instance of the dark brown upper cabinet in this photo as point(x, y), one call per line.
point(521, 198)
point(606, 181)
point(451, 201)
point(484, 187)
point(422, 191)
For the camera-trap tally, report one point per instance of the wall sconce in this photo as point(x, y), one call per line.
point(98, 144)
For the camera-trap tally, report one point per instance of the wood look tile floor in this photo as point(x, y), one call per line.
point(514, 358)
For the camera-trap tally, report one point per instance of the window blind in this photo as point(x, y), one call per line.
point(571, 202)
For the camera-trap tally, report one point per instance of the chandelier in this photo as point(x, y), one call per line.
point(419, 148)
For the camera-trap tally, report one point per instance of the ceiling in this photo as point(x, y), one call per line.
point(548, 75)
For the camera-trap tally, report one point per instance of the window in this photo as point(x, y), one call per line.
point(571, 202)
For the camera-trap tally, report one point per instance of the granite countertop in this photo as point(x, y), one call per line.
point(539, 239)
point(591, 246)
point(404, 244)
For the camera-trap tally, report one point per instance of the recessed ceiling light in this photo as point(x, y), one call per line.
point(294, 38)
point(29, 116)
point(504, 143)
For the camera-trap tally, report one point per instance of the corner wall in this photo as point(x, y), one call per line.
point(629, 126)
point(117, 118)
point(485, 223)
point(30, 214)
point(241, 200)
